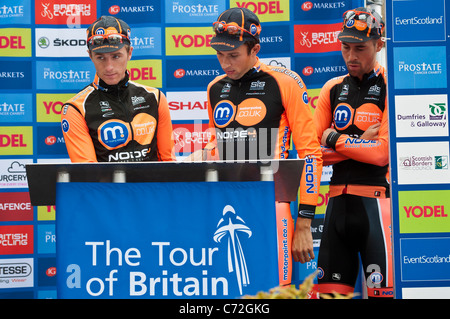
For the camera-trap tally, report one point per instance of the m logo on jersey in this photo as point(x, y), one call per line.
point(224, 113)
point(342, 116)
point(113, 134)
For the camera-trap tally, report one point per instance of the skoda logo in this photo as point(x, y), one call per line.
point(43, 42)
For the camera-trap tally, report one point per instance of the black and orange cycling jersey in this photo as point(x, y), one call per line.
point(350, 106)
point(127, 122)
point(256, 116)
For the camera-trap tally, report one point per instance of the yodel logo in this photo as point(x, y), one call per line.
point(425, 211)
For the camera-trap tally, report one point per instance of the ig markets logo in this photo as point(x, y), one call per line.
point(306, 6)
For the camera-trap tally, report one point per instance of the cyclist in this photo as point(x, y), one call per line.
point(114, 119)
point(254, 110)
point(352, 124)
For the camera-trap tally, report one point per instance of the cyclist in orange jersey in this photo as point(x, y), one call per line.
point(254, 111)
point(114, 119)
point(352, 124)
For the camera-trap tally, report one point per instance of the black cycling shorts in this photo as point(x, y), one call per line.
point(356, 227)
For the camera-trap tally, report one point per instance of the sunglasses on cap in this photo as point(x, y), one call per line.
point(113, 38)
point(370, 20)
point(232, 29)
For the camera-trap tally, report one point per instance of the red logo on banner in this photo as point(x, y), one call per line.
point(308, 70)
point(306, 6)
point(50, 140)
point(316, 38)
point(12, 42)
point(190, 137)
point(15, 207)
point(50, 272)
point(65, 12)
point(13, 140)
point(179, 73)
point(271, 7)
point(16, 239)
point(137, 74)
point(114, 10)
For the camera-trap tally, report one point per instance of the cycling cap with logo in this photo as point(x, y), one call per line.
point(233, 27)
point(361, 25)
point(107, 34)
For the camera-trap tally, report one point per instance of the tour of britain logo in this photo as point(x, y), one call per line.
point(231, 226)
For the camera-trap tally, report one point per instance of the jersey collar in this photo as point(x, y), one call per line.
point(99, 84)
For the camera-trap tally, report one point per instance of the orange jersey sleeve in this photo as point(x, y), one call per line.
point(299, 119)
point(375, 152)
point(323, 119)
point(78, 141)
point(164, 137)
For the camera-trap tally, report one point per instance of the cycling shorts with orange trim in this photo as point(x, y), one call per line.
point(354, 227)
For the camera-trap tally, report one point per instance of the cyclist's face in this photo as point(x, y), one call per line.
point(111, 67)
point(360, 57)
point(237, 62)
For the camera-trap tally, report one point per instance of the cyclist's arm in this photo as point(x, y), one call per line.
point(323, 119)
point(76, 136)
point(164, 135)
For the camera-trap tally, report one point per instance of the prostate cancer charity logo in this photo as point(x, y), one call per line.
point(231, 226)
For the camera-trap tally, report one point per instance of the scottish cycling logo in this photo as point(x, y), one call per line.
point(232, 227)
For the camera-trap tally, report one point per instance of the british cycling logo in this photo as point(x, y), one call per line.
point(231, 226)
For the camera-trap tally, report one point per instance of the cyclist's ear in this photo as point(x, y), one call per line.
point(256, 49)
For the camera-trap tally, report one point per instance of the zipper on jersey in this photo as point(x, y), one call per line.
point(129, 120)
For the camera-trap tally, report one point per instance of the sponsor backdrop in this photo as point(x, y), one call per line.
point(417, 51)
point(43, 62)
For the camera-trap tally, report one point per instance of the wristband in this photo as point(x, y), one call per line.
point(332, 139)
point(306, 214)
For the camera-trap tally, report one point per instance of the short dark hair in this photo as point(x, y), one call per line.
point(251, 44)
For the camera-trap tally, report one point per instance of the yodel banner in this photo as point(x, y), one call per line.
point(165, 240)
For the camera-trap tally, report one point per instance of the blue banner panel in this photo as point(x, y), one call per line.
point(420, 67)
point(165, 240)
point(413, 21)
point(425, 259)
point(136, 11)
point(323, 9)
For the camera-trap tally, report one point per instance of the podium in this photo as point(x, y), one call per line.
point(165, 229)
